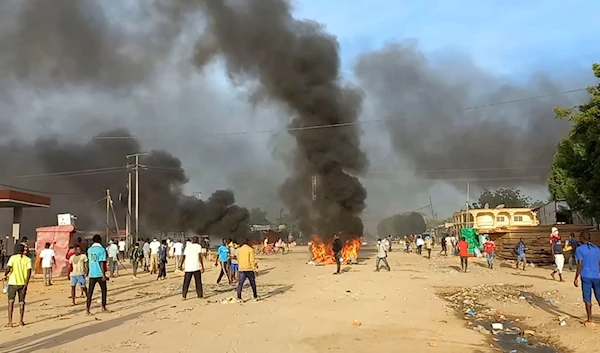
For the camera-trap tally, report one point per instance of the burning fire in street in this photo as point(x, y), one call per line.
point(322, 252)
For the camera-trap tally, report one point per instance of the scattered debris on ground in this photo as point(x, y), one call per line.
point(503, 330)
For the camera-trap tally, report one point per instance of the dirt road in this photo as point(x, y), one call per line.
point(305, 309)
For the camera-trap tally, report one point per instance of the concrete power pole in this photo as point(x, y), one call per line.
point(107, 214)
point(136, 167)
point(128, 217)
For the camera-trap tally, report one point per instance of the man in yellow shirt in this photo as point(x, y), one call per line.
point(246, 268)
point(18, 273)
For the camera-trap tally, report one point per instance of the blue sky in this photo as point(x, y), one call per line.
point(510, 37)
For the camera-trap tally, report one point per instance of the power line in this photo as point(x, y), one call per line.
point(351, 123)
point(466, 180)
point(395, 171)
point(42, 191)
point(387, 172)
point(86, 172)
point(70, 173)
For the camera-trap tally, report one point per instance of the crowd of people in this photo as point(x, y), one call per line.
point(98, 263)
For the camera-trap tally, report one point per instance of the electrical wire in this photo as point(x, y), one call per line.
point(351, 123)
point(70, 173)
point(42, 191)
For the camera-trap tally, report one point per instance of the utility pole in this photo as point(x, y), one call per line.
point(128, 217)
point(431, 208)
point(107, 214)
point(136, 167)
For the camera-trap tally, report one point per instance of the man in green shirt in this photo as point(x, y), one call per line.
point(18, 273)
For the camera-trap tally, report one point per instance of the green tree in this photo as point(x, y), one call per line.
point(415, 223)
point(385, 226)
point(575, 175)
point(258, 217)
point(505, 196)
point(402, 224)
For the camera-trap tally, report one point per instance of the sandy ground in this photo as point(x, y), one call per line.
point(305, 309)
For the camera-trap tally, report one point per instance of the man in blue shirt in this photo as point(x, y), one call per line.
point(97, 271)
point(588, 266)
point(520, 252)
point(223, 259)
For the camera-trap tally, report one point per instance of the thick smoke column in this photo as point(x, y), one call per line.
point(66, 42)
point(51, 165)
point(297, 65)
point(48, 48)
point(425, 108)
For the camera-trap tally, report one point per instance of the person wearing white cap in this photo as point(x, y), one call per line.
point(554, 235)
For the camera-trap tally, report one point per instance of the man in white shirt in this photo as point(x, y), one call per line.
point(420, 242)
point(112, 251)
point(154, 246)
point(122, 246)
point(386, 244)
point(48, 260)
point(381, 255)
point(177, 252)
point(193, 266)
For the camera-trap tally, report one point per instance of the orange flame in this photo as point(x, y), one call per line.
point(323, 252)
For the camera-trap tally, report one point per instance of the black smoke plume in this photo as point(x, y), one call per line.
point(73, 42)
point(51, 47)
point(297, 65)
point(76, 175)
point(428, 110)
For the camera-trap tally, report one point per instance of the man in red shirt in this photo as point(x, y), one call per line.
point(489, 247)
point(463, 250)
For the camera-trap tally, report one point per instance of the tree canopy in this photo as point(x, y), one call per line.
point(512, 198)
point(402, 224)
point(258, 217)
point(575, 175)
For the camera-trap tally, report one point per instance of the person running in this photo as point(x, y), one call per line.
point(420, 242)
point(337, 253)
point(429, 246)
point(489, 247)
point(280, 246)
point(146, 249)
point(113, 260)
point(444, 245)
point(18, 274)
point(136, 257)
point(463, 251)
point(588, 267)
point(96, 255)
point(177, 253)
point(193, 265)
point(48, 261)
point(162, 261)
point(234, 261)
point(520, 250)
point(154, 246)
point(247, 269)
point(78, 267)
point(122, 246)
point(559, 259)
point(572, 248)
point(223, 260)
point(381, 255)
